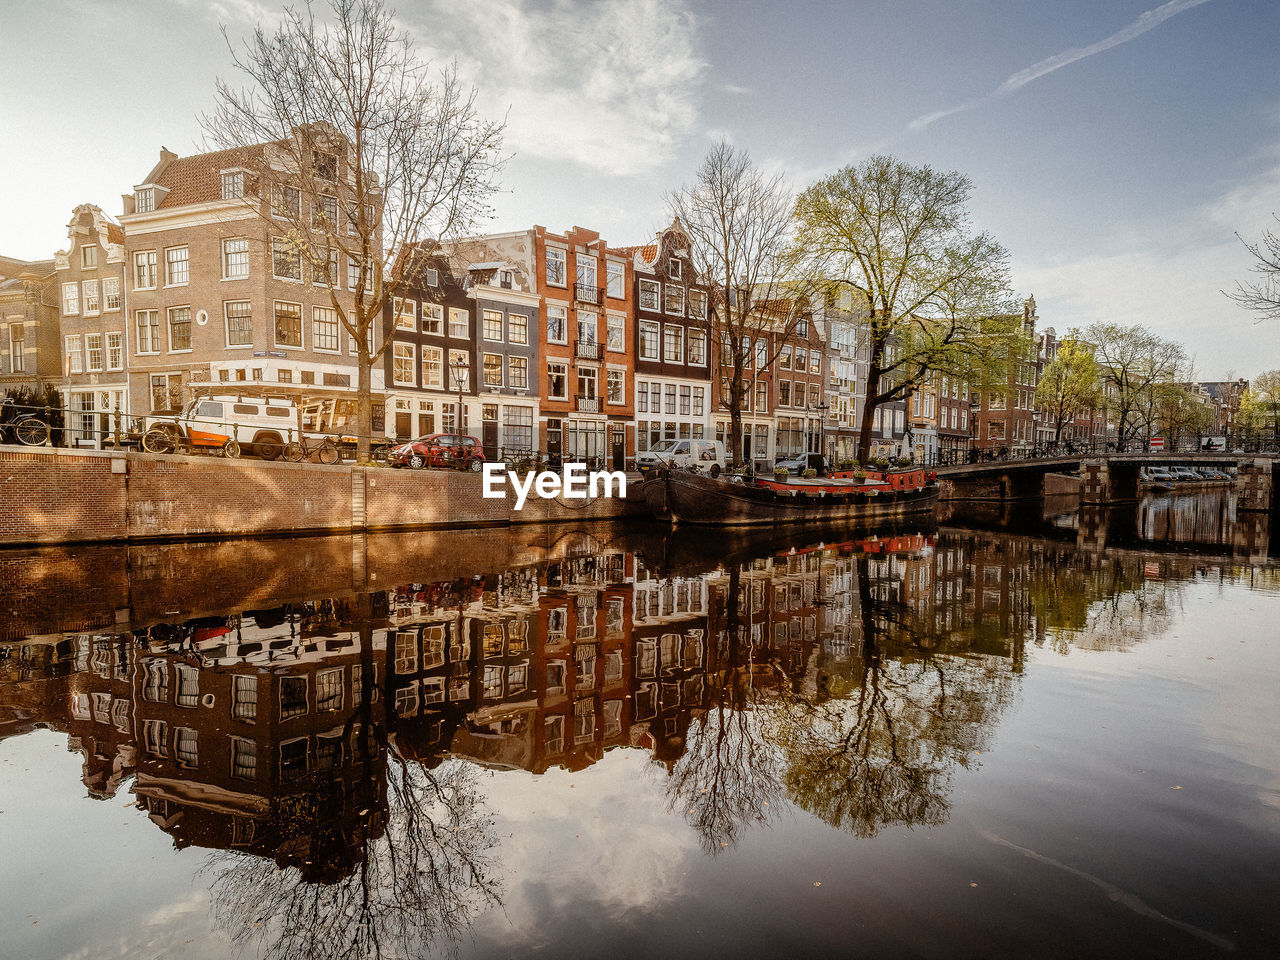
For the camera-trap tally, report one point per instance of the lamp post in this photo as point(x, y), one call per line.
point(460, 370)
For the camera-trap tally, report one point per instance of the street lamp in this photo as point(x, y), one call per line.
point(460, 369)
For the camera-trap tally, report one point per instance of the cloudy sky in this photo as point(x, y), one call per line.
point(1115, 145)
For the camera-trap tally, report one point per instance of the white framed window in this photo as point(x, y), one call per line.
point(616, 386)
point(650, 291)
point(286, 202)
point(698, 304)
point(71, 349)
point(406, 313)
point(698, 347)
point(556, 270)
point(244, 697)
point(433, 277)
point(325, 273)
point(70, 299)
point(324, 330)
point(459, 322)
point(144, 200)
point(518, 372)
point(286, 260)
point(517, 328)
point(89, 256)
point(186, 747)
point(673, 268)
point(557, 324)
point(93, 352)
point(492, 326)
point(235, 258)
point(177, 266)
point(325, 212)
point(587, 379)
point(586, 272)
point(784, 358)
point(115, 351)
point(615, 333)
point(699, 399)
point(244, 759)
point(329, 689)
point(91, 303)
point(403, 363)
point(156, 737)
point(148, 331)
point(614, 278)
point(233, 185)
point(432, 367)
point(288, 325)
point(17, 348)
point(239, 323)
point(650, 332)
point(111, 294)
point(673, 343)
point(493, 369)
point(179, 329)
point(557, 381)
point(432, 318)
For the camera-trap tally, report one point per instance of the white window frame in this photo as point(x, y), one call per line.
point(115, 351)
point(170, 261)
point(154, 328)
point(89, 298)
point(649, 288)
point(282, 244)
point(485, 370)
point(71, 299)
point(614, 270)
point(700, 337)
point(514, 364)
point(562, 313)
point(327, 316)
point(407, 355)
point(168, 328)
point(438, 380)
point(616, 375)
point(459, 323)
point(110, 293)
point(486, 317)
point(432, 315)
point(564, 370)
point(561, 256)
point(71, 351)
point(275, 329)
point(656, 327)
point(226, 261)
point(92, 345)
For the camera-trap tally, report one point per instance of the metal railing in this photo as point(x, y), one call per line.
point(587, 349)
point(587, 293)
point(587, 404)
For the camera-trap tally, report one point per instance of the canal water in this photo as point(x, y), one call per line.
point(1035, 732)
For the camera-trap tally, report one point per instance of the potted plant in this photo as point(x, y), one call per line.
point(810, 473)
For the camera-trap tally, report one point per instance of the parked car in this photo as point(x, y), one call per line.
point(451, 450)
point(1208, 473)
point(806, 461)
point(1184, 473)
point(1157, 475)
point(702, 456)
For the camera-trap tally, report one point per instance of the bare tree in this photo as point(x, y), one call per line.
point(738, 221)
point(360, 149)
point(1132, 363)
point(898, 237)
point(1262, 295)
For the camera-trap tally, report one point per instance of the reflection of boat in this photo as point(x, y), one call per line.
point(684, 497)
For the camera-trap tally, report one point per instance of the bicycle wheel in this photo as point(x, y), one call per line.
point(231, 450)
point(294, 451)
point(328, 452)
point(157, 440)
point(32, 432)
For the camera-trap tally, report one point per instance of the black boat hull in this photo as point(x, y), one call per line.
point(689, 498)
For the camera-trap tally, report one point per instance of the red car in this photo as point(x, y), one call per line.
point(452, 450)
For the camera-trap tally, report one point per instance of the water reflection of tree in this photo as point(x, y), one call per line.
point(417, 885)
point(369, 873)
point(882, 748)
point(727, 778)
point(872, 745)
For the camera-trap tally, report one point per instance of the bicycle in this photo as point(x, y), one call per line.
point(28, 429)
point(325, 450)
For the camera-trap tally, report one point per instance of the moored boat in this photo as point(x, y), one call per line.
point(682, 497)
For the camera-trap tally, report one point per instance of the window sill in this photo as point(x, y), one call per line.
point(230, 279)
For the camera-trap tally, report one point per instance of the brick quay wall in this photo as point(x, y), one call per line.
point(77, 496)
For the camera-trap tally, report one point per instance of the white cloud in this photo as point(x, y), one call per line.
point(610, 84)
point(1149, 20)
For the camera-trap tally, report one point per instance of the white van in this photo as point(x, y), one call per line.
point(702, 456)
point(234, 424)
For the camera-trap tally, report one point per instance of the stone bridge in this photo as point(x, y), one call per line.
point(1107, 478)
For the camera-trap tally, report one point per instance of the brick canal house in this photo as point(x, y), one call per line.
point(430, 366)
point(585, 408)
point(671, 346)
point(221, 300)
point(1007, 418)
point(800, 390)
point(92, 288)
point(29, 352)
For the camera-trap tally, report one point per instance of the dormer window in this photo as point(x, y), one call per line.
point(504, 279)
point(144, 200)
point(233, 184)
point(674, 269)
point(433, 277)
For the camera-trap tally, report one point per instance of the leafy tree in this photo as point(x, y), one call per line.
point(1180, 413)
point(1262, 295)
point(1069, 385)
point(1260, 405)
point(936, 293)
point(1132, 363)
point(738, 220)
point(366, 152)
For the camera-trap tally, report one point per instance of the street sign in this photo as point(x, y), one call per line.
point(1157, 443)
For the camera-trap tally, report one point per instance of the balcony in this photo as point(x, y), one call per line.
point(587, 350)
point(587, 404)
point(586, 293)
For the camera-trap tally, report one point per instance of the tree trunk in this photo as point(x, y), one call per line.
point(364, 404)
point(868, 412)
point(735, 416)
